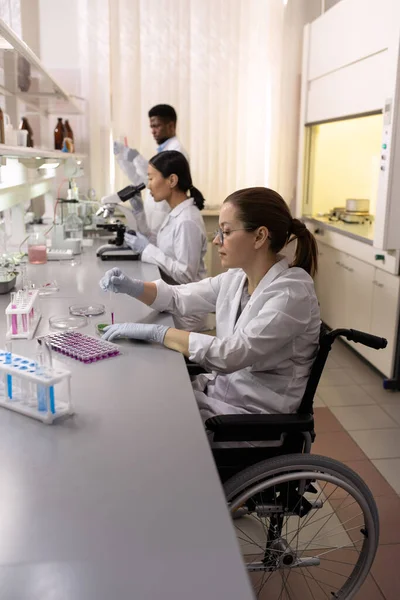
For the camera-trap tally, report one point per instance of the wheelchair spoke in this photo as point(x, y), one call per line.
point(309, 518)
point(249, 539)
point(308, 586)
point(263, 583)
point(320, 529)
point(284, 581)
point(319, 582)
point(340, 548)
point(304, 547)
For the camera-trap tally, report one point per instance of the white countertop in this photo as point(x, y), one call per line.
point(121, 501)
point(364, 233)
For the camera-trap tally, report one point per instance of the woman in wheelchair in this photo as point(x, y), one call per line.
point(307, 525)
point(267, 315)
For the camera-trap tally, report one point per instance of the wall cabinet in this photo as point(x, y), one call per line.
point(356, 295)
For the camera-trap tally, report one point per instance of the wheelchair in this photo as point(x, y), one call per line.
point(307, 525)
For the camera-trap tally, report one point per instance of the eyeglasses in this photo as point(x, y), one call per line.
point(220, 233)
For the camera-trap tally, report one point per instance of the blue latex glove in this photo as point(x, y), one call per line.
point(136, 331)
point(118, 146)
point(125, 152)
point(116, 281)
point(136, 242)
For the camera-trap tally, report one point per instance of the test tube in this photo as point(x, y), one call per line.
point(25, 386)
point(22, 270)
point(30, 286)
point(49, 372)
point(110, 305)
point(24, 316)
point(41, 389)
point(14, 326)
point(8, 378)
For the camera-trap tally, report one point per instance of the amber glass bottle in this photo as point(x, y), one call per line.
point(26, 125)
point(59, 134)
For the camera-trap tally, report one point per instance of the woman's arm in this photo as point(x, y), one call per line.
point(149, 293)
point(194, 298)
point(188, 247)
point(178, 340)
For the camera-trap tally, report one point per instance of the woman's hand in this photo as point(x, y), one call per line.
point(136, 242)
point(161, 334)
point(116, 281)
point(136, 331)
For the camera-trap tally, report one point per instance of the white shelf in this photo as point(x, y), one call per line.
point(21, 151)
point(52, 98)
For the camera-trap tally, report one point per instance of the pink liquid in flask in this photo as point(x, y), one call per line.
point(37, 255)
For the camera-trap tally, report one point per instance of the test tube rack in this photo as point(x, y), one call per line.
point(23, 315)
point(37, 391)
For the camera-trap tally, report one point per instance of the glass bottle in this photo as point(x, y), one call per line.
point(73, 224)
point(68, 131)
point(69, 137)
point(59, 134)
point(26, 125)
point(37, 251)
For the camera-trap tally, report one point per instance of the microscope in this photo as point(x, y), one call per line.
point(116, 249)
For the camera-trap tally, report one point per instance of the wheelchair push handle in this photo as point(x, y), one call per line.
point(372, 341)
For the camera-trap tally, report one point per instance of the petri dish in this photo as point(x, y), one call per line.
point(100, 327)
point(87, 310)
point(67, 322)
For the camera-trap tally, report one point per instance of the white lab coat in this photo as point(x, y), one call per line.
point(179, 253)
point(261, 363)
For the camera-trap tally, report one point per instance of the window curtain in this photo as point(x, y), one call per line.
point(231, 69)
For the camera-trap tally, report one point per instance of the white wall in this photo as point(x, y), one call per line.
point(65, 58)
point(10, 12)
point(297, 14)
point(82, 66)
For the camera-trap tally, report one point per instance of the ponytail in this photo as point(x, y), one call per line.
point(263, 207)
point(197, 197)
point(306, 255)
point(173, 162)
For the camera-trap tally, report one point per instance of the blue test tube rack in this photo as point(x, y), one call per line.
point(34, 390)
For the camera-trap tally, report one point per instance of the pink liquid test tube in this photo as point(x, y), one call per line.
point(14, 325)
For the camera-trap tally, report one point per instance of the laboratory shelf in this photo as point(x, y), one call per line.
point(51, 97)
point(24, 152)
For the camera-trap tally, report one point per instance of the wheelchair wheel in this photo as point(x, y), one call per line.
point(307, 526)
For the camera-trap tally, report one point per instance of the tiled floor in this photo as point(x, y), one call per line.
point(358, 423)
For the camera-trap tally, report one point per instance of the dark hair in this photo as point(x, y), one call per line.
point(165, 112)
point(260, 207)
point(172, 162)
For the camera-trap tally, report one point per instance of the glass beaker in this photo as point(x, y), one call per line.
point(37, 251)
point(73, 225)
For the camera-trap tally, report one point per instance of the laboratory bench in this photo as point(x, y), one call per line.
point(121, 500)
point(356, 231)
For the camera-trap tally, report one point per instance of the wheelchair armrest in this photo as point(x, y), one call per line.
point(257, 427)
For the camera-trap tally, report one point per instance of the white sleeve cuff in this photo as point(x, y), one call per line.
point(146, 255)
point(199, 344)
point(164, 296)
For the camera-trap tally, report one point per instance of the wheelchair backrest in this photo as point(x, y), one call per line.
point(325, 344)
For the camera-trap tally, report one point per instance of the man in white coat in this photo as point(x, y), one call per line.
point(163, 121)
